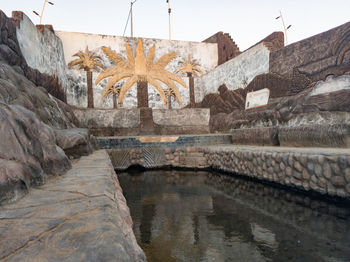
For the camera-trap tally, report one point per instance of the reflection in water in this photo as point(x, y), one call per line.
point(203, 216)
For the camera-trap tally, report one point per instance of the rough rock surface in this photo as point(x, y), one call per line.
point(81, 216)
point(28, 150)
point(76, 142)
point(15, 88)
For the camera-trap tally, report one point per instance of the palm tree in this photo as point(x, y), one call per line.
point(141, 70)
point(190, 68)
point(170, 92)
point(89, 62)
point(115, 91)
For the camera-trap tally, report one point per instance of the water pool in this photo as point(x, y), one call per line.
point(206, 216)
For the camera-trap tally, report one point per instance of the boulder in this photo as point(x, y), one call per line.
point(76, 142)
point(28, 150)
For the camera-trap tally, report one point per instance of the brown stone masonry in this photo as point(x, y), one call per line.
point(227, 48)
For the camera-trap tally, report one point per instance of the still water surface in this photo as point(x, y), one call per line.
point(205, 216)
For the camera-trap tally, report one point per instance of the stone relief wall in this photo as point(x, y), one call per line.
point(237, 72)
point(205, 53)
point(42, 50)
point(318, 56)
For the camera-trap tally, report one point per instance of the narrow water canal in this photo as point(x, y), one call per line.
point(205, 216)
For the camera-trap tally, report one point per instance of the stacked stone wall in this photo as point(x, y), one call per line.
point(325, 171)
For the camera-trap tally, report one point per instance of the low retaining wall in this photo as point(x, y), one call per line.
point(123, 121)
point(326, 171)
point(323, 170)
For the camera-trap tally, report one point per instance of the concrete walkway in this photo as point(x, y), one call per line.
point(81, 216)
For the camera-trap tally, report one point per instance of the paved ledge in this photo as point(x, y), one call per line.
point(124, 142)
point(81, 216)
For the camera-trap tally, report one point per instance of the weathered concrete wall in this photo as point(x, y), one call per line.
point(233, 73)
point(326, 171)
point(123, 121)
point(121, 118)
point(205, 53)
point(183, 117)
point(182, 121)
point(42, 51)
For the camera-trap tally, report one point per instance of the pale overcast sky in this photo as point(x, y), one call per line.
point(247, 21)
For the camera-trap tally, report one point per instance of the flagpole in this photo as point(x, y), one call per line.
point(169, 11)
point(42, 11)
point(131, 21)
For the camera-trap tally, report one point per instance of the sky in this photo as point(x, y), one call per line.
point(247, 21)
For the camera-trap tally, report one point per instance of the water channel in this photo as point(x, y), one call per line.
point(206, 216)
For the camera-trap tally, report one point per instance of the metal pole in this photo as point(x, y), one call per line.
point(169, 11)
point(131, 21)
point(284, 27)
point(42, 11)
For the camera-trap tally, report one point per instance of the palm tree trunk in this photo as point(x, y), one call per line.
point(146, 115)
point(90, 93)
point(169, 102)
point(114, 100)
point(142, 94)
point(191, 84)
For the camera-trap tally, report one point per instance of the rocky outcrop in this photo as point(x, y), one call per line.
point(76, 142)
point(15, 88)
point(224, 102)
point(281, 110)
point(28, 151)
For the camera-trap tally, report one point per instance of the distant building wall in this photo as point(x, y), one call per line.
point(205, 53)
point(235, 73)
point(227, 48)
